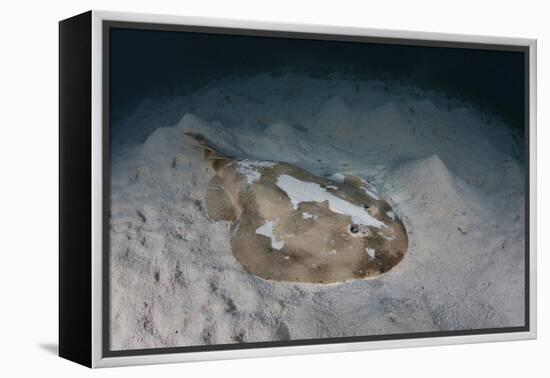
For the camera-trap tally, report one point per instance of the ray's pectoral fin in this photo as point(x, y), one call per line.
point(219, 205)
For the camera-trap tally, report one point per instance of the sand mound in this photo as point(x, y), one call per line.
point(430, 180)
point(381, 120)
point(281, 130)
point(453, 232)
point(335, 119)
point(426, 186)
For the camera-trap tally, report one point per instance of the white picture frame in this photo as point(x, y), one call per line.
point(98, 357)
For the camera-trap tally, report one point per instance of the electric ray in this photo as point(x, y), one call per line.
point(290, 225)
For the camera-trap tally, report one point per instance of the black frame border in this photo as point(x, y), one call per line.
point(107, 25)
point(75, 189)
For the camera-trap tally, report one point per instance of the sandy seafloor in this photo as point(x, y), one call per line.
point(451, 172)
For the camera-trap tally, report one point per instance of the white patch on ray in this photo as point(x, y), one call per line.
point(307, 215)
point(301, 191)
point(370, 190)
point(371, 252)
point(386, 237)
point(267, 230)
point(250, 169)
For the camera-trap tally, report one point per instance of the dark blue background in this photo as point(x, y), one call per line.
point(146, 63)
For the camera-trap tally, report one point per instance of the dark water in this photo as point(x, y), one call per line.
point(145, 63)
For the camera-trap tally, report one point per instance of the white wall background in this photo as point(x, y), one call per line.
point(28, 198)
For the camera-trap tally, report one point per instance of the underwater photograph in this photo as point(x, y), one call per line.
point(275, 189)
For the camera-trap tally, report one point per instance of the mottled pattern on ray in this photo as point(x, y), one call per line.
point(290, 225)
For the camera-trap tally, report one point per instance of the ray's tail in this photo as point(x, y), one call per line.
point(211, 153)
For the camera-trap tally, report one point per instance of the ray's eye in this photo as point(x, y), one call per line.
point(366, 207)
point(354, 228)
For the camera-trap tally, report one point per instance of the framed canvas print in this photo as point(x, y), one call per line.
point(233, 189)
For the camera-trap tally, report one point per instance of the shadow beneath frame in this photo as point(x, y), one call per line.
point(51, 348)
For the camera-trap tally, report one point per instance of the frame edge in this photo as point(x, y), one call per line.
point(98, 360)
point(75, 286)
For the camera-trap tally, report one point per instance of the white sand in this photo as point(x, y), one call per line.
point(450, 172)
